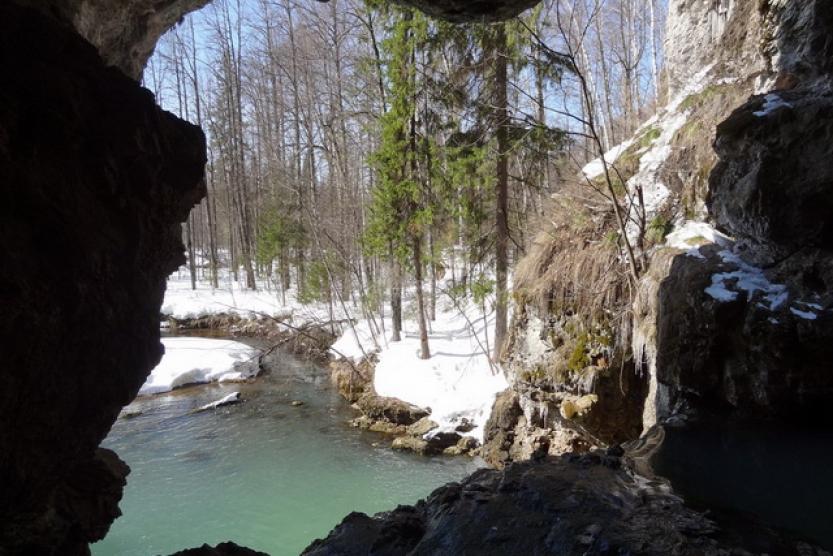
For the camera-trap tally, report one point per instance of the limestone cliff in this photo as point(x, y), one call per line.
point(732, 313)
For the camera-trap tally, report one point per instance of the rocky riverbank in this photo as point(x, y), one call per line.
point(410, 426)
point(575, 504)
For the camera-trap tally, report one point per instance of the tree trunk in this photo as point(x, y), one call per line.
point(192, 267)
point(396, 299)
point(433, 268)
point(502, 194)
point(424, 352)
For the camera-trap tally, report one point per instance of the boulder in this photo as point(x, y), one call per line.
point(352, 380)
point(386, 427)
point(433, 445)
point(222, 549)
point(465, 445)
point(390, 409)
point(499, 433)
point(406, 443)
point(422, 427)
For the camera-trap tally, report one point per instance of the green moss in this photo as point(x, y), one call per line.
point(647, 139)
point(697, 241)
point(579, 358)
point(603, 339)
point(692, 129)
point(703, 96)
point(658, 228)
point(534, 375)
point(616, 184)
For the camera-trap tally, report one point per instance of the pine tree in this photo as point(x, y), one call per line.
point(399, 211)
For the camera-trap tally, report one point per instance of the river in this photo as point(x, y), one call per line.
point(263, 473)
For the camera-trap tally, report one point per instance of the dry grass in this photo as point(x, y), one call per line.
point(574, 265)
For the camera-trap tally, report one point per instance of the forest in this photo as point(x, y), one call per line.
point(359, 150)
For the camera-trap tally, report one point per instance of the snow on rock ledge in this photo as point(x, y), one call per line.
point(200, 360)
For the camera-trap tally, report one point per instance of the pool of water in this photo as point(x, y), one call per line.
point(754, 477)
point(264, 474)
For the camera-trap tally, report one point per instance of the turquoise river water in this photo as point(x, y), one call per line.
point(263, 473)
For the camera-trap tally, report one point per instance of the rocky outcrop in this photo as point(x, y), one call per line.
point(773, 187)
point(392, 410)
point(126, 31)
point(744, 328)
point(465, 10)
point(449, 443)
point(745, 352)
point(352, 380)
point(740, 325)
point(222, 549)
point(95, 180)
point(584, 504)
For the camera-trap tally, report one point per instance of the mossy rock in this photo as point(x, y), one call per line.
point(707, 94)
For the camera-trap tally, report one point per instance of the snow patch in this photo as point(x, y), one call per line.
point(182, 302)
point(725, 286)
point(654, 191)
point(807, 315)
point(772, 102)
point(197, 361)
point(693, 86)
point(694, 234)
point(232, 398)
point(595, 168)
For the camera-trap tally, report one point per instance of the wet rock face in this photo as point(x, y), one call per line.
point(570, 505)
point(95, 180)
point(746, 354)
point(773, 185)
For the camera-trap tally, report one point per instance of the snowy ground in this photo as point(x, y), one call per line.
point(199, 360)
point(231, 297)
point(456, 382)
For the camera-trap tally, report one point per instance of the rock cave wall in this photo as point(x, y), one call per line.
point(96, 179)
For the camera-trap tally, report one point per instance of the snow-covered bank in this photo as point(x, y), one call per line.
point(456, 382)
point(200, 360)
point(182, 302)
